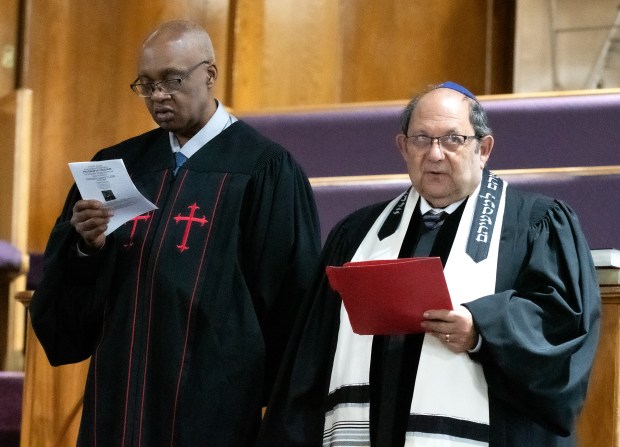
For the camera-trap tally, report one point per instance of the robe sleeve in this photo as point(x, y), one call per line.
point(68, 305)
point(280, 249)
point(539, 336)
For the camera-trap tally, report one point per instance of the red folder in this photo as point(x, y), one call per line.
point(389, 297)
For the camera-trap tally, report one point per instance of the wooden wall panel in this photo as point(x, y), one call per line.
point(286, 53)
point(397, 48)
point(323, 52)
point(501, 47)
point(9, 12)
point(247, 76)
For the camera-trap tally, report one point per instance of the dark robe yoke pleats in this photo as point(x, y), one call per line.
point(539, 333)
point(187, 309)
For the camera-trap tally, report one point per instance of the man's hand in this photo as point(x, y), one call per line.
point(90, 219)
point(455, 328)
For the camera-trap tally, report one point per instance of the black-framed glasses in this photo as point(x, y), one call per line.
point(449, 143)
point(167, 86)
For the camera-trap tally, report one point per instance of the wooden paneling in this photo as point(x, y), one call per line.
point(323, 52)
point(9, 13)
point(500, 47)
point(286, 53)
point(396, 48)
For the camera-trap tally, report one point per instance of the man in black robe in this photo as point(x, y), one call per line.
point(519, 344)
point(184, 311)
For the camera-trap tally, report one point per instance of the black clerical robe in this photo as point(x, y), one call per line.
point(187, 309)
point(539, 332)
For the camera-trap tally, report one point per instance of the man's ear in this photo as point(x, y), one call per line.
point(212, 70)
point(401, 142)
point(486, 147)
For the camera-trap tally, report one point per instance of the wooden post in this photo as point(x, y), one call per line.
point(15, 136)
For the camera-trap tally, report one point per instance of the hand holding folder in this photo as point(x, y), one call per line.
point(388, 297)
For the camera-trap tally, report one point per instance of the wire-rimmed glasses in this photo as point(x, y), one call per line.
point(167, 86)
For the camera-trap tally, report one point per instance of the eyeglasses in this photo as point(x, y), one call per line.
point(449, 143)
point(167, 86)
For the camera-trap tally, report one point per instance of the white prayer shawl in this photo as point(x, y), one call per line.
point(447, 384)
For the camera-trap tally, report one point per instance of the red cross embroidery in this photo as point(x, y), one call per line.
point(189, 219)
point(135, 221)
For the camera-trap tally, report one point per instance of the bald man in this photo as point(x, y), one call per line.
point(507, 366)
point(184, 311)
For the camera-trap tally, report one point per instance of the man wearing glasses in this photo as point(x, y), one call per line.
point(509, 366)
point(184, 311)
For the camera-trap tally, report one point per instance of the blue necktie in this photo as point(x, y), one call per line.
point(179, 159)
point(433, 220)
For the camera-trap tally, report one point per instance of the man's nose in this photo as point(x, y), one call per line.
point(159, 94)
point(435, 152)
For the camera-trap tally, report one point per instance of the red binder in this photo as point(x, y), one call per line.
point(389, 297)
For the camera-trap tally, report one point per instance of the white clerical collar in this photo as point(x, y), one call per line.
point(425, 207)
point(220, 120)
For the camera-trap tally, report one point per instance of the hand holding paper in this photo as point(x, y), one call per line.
point(108, 181)
point(390, 296)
